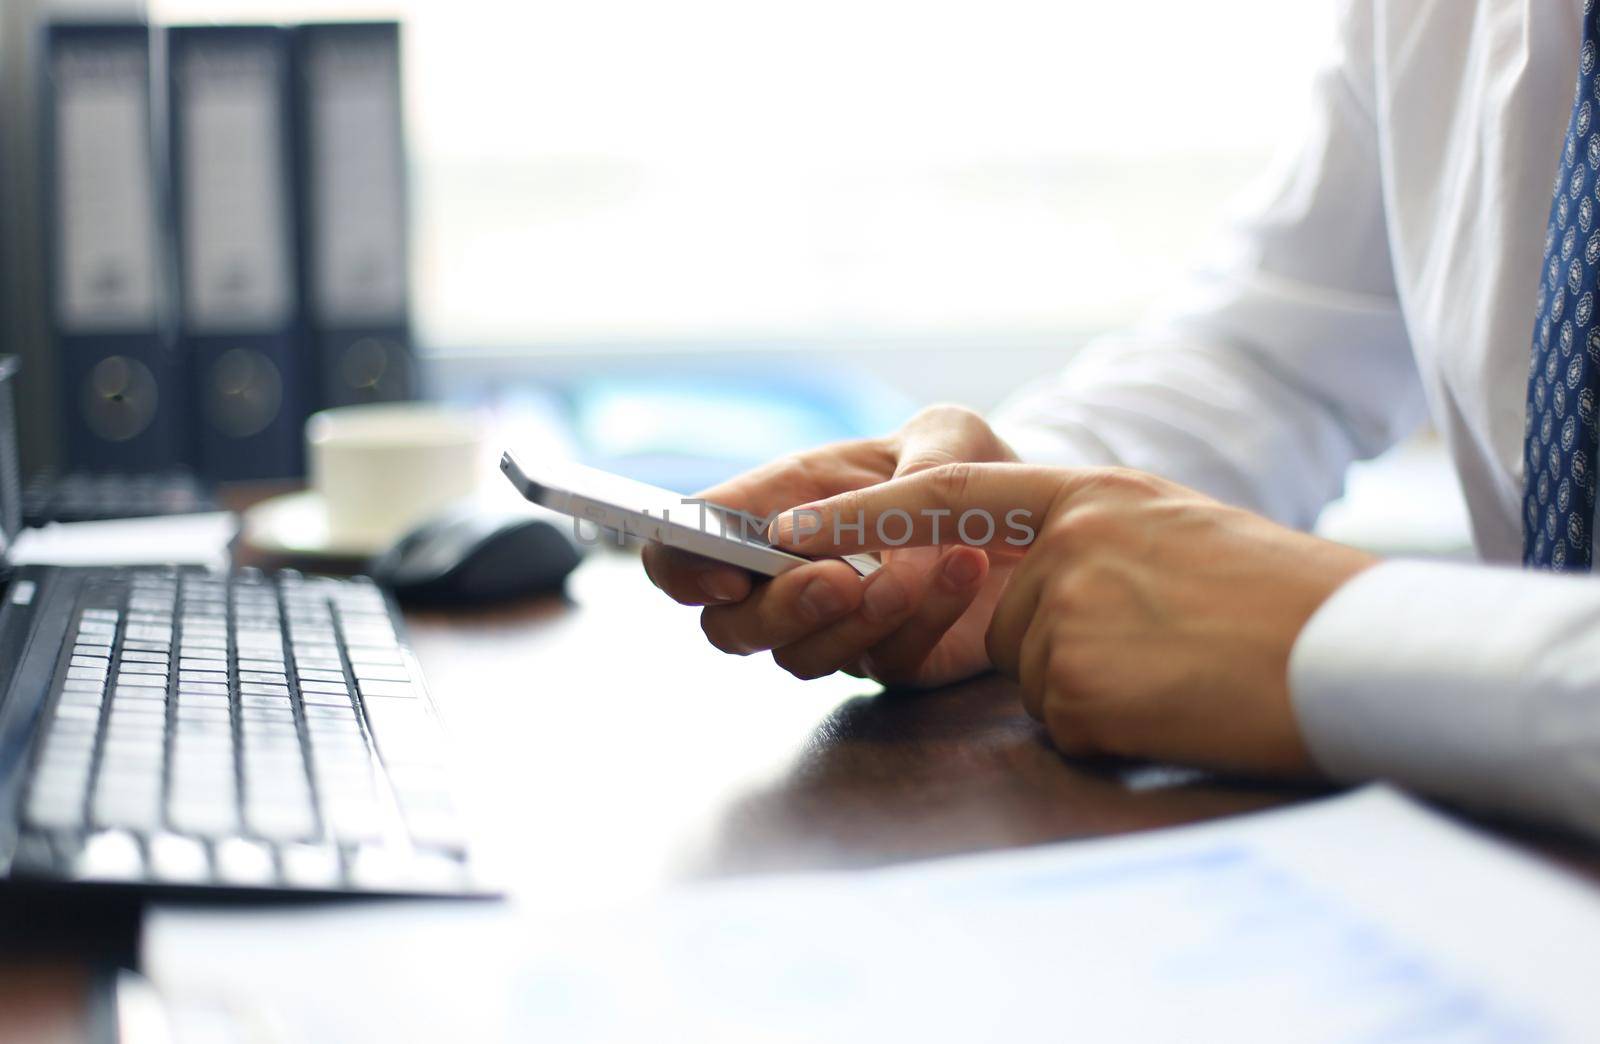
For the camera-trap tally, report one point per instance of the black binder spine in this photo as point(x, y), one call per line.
point(120, 383)
point(354, 209)
point(232, 174)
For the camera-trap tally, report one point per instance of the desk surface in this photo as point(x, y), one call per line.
point(613, 751)
point(625, 751)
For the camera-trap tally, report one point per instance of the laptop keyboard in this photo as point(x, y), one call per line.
point(245, 730)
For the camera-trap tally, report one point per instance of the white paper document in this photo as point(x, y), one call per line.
point(199, 539)
point(1359, 918)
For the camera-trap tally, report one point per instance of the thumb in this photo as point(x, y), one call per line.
point(998, 506)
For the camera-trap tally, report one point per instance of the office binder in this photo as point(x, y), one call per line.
point(240, 318)
point(352, 187)
point(119, 384)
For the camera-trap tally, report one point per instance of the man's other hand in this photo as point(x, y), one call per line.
point(1144, 619)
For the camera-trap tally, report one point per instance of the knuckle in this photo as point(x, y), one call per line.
point(1073, 708)
point(936, 413)
point(1069, 728)
point(953, 480)
point(1077, 593)
point(1088, 526)
point(962, 433)
point(793, 466)
point(1069, 672)
point(1131, 481)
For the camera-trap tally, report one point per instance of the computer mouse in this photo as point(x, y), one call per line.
point(471, 554)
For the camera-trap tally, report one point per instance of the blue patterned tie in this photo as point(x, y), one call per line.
point(1558, 454)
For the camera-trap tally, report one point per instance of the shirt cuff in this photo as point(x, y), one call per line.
point(1468, 682)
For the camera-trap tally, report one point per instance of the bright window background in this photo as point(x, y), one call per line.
point(735, 171)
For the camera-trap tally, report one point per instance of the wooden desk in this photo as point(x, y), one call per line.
point(613, 751)
point(626, 752)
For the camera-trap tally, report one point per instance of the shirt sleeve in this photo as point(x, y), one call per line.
point(1282, 360)
point(1472, 683)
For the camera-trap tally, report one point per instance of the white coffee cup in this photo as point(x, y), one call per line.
point(383, 468)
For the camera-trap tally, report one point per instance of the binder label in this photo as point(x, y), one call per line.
point(107, 259)
point(358, 239)
point(237, 268)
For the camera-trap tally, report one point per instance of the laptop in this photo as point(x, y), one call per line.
point(174, 728)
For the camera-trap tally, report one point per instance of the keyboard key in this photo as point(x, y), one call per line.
point(311, 866)
point(281, 713)
point(189, 712)
point(92, 698)
point(57, 806)
point(377, 657)
point(436, 870)
point(395, 690)
point(325, 687)
point(282, 815)
point(332, 712)
point(351, 808)
point(201, 812)
point(378, 867)
point(367, 672)
point(145, 656)
point(181, 860)
point(110, 855)
point(132, 703)
point(203, 699)
point(242, 862)
point(325, 699)
point(275, 702)
point(129, 801)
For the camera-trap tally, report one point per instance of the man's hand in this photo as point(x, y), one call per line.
point(919, 620)
point(1144, 619)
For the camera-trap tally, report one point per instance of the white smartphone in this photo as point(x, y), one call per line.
point(623, 506)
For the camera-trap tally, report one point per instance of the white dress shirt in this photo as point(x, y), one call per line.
point(1389, 271)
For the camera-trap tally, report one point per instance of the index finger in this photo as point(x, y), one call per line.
point(997, 506)
point(811, 475)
